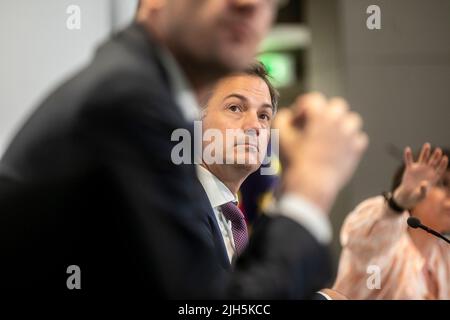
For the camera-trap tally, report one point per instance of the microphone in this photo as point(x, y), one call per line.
point(415, 223)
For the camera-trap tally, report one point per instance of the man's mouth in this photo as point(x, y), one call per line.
point(249, 145)
point(240, 30)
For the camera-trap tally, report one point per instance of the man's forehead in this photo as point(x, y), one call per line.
point(248, 86)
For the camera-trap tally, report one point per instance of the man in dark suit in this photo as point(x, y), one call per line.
point(89, 180)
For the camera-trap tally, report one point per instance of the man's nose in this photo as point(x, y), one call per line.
point(251, 124)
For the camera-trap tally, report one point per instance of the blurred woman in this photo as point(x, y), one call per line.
point(377, 242)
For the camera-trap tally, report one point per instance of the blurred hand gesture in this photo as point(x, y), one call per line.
point(321, 144)
point(419, 176)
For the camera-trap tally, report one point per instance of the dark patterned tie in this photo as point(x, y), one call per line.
point(238, 225)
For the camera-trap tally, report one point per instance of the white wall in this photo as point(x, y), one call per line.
point(37, 50)
point(122, 12)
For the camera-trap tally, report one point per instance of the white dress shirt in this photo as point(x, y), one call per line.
point(292, 206)
point(218, 194)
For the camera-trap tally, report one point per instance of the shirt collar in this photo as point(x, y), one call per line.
point(218, 194)
point(184, 95)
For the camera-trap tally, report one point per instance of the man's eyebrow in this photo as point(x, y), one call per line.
point(235, 95)
point(242, 97)
point(268, 106)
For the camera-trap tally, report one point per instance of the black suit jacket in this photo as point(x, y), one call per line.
point(89, 181)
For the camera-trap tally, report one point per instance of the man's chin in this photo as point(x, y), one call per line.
point(246, 167)
point(236, 57)
point(249, 164)
point(248, 156)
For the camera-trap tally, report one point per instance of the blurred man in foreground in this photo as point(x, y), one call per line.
point(89, 180)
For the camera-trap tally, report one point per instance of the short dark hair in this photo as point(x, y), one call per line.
point(255, 69)
point(258, 69)
point(397, 179)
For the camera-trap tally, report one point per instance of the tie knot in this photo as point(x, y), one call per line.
point(232, 212)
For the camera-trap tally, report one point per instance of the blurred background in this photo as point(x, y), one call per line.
point(397, 78)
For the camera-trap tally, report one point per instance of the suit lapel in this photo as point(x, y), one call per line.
point(215, 231)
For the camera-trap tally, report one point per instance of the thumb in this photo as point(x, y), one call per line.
point(282, 119)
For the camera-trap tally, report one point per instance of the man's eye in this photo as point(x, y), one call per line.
point(234, 108)
point(265, 117)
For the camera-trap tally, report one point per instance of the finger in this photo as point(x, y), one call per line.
point(299, 118)
point(361, 142)
point(282, 119)
point(408, 157)
point(424, 153)
point(442, 167)
point(338, 106)
point(287, 133)
point(353, 123)
point(311, 101)
point(435, 158)
point(312, 98)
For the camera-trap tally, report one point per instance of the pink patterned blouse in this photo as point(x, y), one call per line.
point(380, 261)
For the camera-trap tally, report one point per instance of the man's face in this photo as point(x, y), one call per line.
point(218, 34)
point(434, 210)
point(240, 108)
